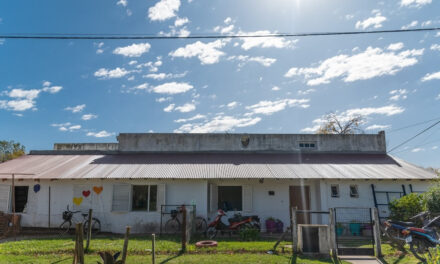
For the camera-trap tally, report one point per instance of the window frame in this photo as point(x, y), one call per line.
point(337, 191)
point(242, 198)
point(355, 195)
point(148, 198)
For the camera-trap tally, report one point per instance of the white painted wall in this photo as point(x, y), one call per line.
point(196, 191)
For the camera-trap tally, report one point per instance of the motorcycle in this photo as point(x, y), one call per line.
point(236, 223)
point(418, 239)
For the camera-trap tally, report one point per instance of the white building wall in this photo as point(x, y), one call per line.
point(196, 192)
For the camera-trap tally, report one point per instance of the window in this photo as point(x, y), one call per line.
point(307, 145)
point(335, 190)
point(354, 191)
point(230, 198)
point(144, 198)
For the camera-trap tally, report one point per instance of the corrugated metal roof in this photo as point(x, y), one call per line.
point(214, 166)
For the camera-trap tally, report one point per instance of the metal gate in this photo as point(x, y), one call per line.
point(354, 231)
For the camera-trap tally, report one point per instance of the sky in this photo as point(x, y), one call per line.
point(91, 90)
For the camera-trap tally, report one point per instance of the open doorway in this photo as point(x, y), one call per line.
point(21, 198)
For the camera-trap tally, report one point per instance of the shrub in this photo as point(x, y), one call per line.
point(249, 234)
point(406, 207)
point(432, 198)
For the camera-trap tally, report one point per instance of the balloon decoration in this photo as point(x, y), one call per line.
point(37, 188)
point(77, 200)
point(86, 193)
point(97, 189)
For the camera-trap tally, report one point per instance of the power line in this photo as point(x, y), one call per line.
point(412, 125)
point(418, 134)
point(151, 36)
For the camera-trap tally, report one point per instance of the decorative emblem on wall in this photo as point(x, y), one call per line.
point(77, 200)
point(86, 193)
point(97, 189)
point(37, 188)
point(245, 140)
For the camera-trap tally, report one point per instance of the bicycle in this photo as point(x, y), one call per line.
point(173, 225)
point(67, 224)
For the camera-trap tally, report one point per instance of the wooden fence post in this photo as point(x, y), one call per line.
point(183, 228)
point(294, 231)
point(376, 230)
point(332, 232)
point(153, 248)
point(124, 249)
point(78, 257)
point(89, 230)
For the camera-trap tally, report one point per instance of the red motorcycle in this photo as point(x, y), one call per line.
point(236, 223)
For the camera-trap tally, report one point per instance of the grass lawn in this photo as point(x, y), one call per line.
point(60, 250)
point(395, 256)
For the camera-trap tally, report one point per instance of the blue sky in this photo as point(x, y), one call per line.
point(89, 91)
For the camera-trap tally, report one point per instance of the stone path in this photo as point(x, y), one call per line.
point(360, 259)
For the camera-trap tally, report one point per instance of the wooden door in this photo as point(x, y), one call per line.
point(299, 197)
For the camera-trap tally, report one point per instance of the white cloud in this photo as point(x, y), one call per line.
point(366, 112)
point(438, 34)
point(188, 107)
point(66, 127)
point(377, 127)
point(46, 83)
point(434, 147)
point(414, 23)
point(169, 108)
point(133, 62)
point(266, 62)
point(373, 62)
point(426, 23)
point(196, 117)
point(431, 76)
point(349, 16)
point(375, 22)
point(20, 93)
point(122, 3)
point(133, 50)
point(181, 21)
point(88, 116)
point(163, 99)
point(270, 107)
point(163, 10)
point(417, 149)
point(306, 92)
point(398, 94)
point(172, 88)
point(414, 3)
point(161, 76)
point(75, 109)
point(395, 46)
point(207, 53)
point(109, 74)
point(152, 66)
point(227, 20)
point(17, 105)
point(219, 123)
point(232, 105)
point(435, 47)
point(265, 42)
point(100, 134)
point(276, 88)
point(52, 89)
point(142, 86)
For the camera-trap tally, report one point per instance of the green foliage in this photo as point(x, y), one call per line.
point(434, 256)
point(406, 207)
point(249, 234)
point(432, 198)
point(10, 150)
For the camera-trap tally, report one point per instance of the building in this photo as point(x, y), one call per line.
point(126, 183)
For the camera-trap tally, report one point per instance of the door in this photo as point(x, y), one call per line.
point(299, 197)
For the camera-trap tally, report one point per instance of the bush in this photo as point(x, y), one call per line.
point(249, 234)
point(432, 198)
point(406, 207)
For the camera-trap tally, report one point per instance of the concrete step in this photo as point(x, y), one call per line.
point(360, 259)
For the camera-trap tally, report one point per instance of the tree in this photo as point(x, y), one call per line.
point(334, 124)
point(10, 150)
point(406, 207)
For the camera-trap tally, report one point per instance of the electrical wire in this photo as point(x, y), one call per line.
point(151, 36)
point(411, 138)
point(412, 125)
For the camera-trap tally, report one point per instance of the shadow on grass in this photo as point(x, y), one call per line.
point(171, 258)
